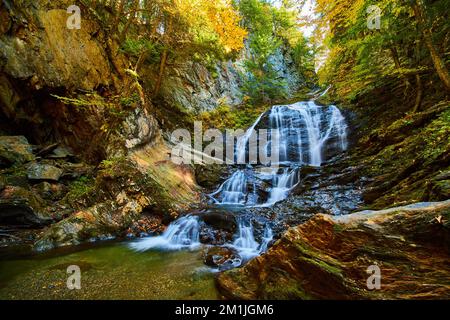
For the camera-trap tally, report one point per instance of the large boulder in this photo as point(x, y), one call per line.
point(209, 176)
point(220, 220)
point(15, 150)
point(41, 171)
point(99, 222)
point(329, 256)
point(125, 191)
point(19, 206)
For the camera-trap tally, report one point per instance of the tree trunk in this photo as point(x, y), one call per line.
point(438, 63)
point(162, 68)
point(118, 16)
point(164, 56)
point(130, 21)
point(419, 93)
point(141, 60)
point(396, 59)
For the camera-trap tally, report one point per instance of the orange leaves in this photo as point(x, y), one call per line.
point(214, 17)
point(225, 21)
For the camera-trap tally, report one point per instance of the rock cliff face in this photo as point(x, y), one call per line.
point(39, 47)
point(194, 87)
point(39, 58)
point(328, 257)
point(83, 147)
point(73, 117)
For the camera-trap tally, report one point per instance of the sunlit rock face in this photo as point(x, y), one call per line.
point(194, 87)
point(41, 48)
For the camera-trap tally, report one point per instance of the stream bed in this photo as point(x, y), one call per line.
point(108, 271)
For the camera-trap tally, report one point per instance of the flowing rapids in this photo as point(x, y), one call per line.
point(182, 234)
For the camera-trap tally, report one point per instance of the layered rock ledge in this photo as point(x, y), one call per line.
point(328, 258)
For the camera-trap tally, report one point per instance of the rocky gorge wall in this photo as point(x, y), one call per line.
point(195, 87)
point(81, 151)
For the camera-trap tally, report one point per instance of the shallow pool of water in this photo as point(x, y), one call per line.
point(108, 271)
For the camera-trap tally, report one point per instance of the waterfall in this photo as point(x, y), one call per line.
point(233, 190)
point(245, 243)
point(282, 184)
point(181, 234)
point(267, 238)
point(242, 142)
point(306, 133)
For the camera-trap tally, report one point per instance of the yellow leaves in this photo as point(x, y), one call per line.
point(215, 17)
point(356, 8)
point(225, 22)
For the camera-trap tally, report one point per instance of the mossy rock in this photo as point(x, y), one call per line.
point(328, 258)
point(15, 150)
point(23, 207)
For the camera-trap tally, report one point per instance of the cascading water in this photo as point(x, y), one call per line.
point(245, 243)
point(184, 233)
point(181, 234)
point(234, 190)
point(267, 238)
point(282, 185)
point(306, 132)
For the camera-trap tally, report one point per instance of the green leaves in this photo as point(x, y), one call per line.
point(272, 30)
point(135, 47)
point(361, 59)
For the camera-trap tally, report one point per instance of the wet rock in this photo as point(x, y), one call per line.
point(139, 128)
point(210, 175)
point(221, 257)
point(39, 171)
point(212, 236)
point(15, 150)
point(60, 153)
point(220, 220)
point(328, 258)
point(22, 207)
point(217, 227)
point(309, 170)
